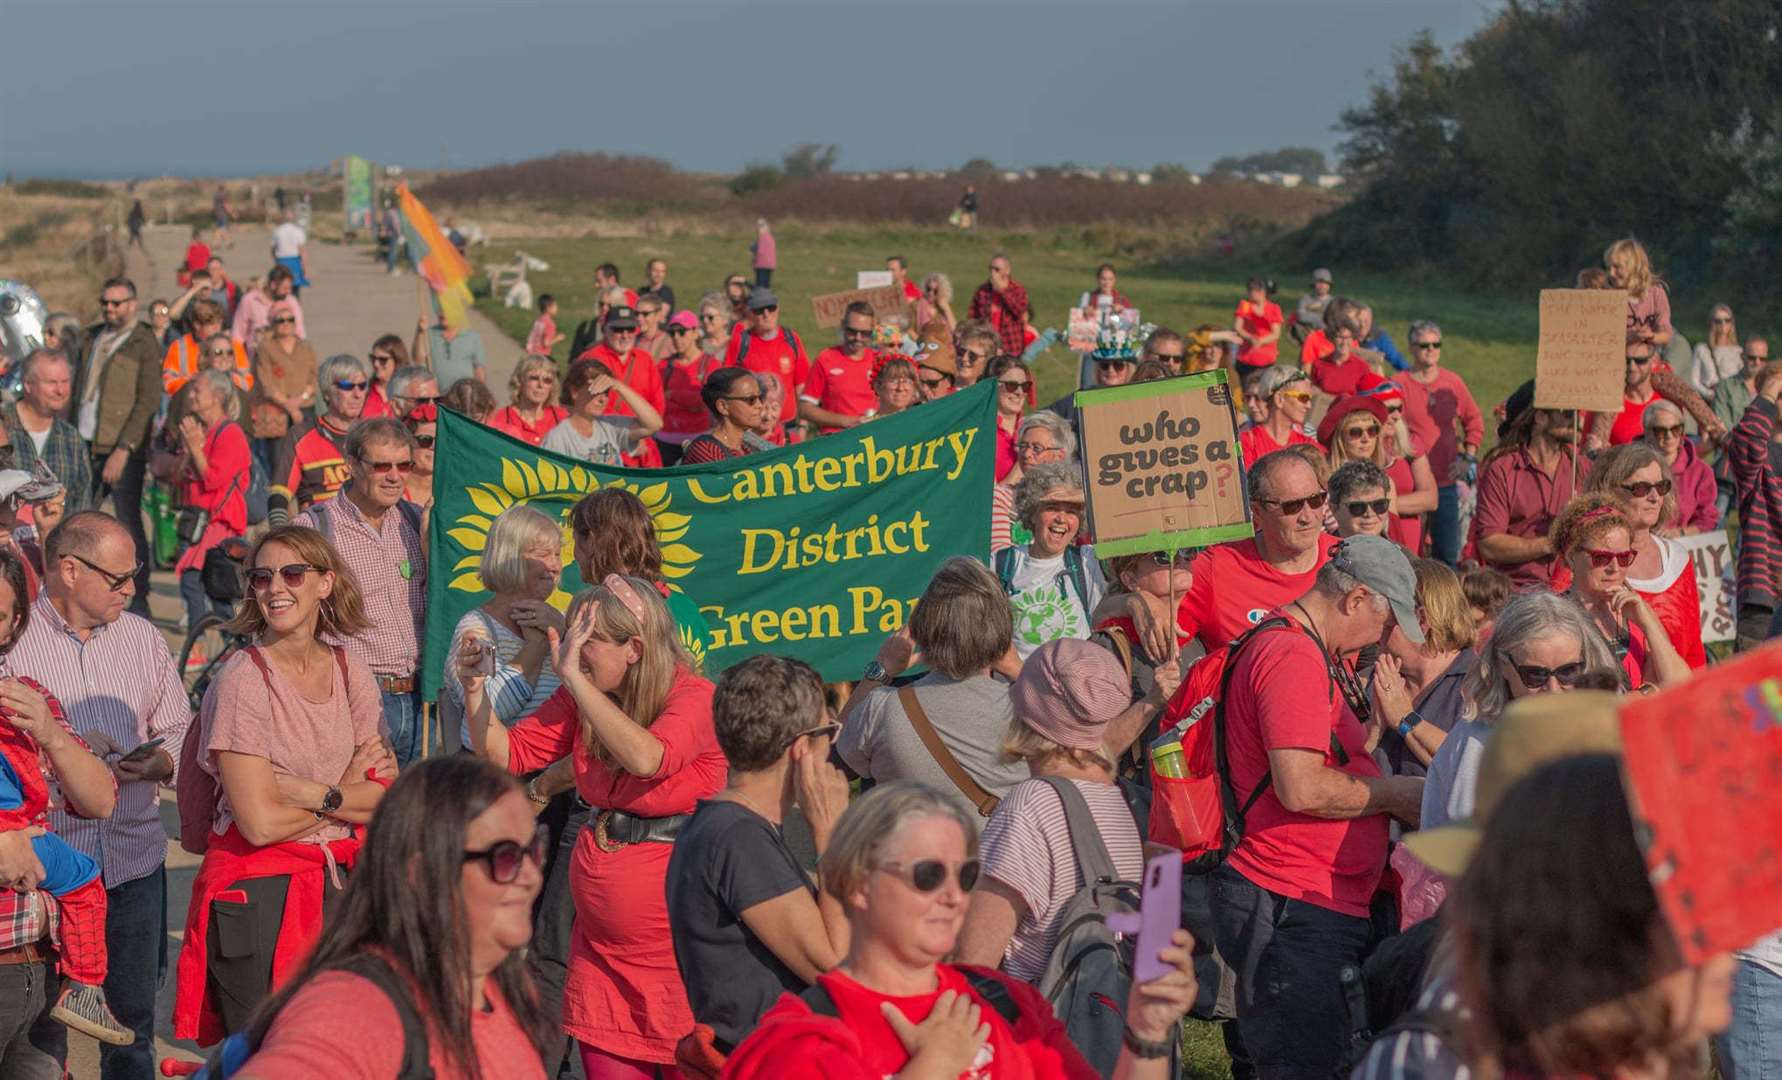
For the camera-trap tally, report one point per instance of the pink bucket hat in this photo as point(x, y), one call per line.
point(1069, 690)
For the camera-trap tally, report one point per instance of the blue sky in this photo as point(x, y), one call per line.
point(93, 87)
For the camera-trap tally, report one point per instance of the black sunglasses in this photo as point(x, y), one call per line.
point(282, 319)
point(1639, 489)
point(260, 577)
point(503, 858)
point(765, 310)
point(108, 302)
point(930, 874)
point(753, 399)
point(1426, 344)
point(934, 382)
point(1293, 506)
point(347, 385)
point(1378, 506)
point(115, 581)
point(831, 729)
point(853, 331)
point(425, 442)
point(1535, 677)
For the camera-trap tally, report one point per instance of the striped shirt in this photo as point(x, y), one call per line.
point(1756, 466)
point(390, 563)
point(1026, 846)
point(120, 680)
point(511, 697)
point(1414, 1047)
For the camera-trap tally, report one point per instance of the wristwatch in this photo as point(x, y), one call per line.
point(1143, 1049)
point(331, 801)
point(875, 672)
point(1409, 724)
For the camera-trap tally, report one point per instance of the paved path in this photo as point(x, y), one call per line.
point(351, 304)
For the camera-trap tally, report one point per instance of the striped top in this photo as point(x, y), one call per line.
point(120, 680)
point(1026, 846)
point(511, 697)
point(390, 562)
point(1416, 1046)
point(1756, 466)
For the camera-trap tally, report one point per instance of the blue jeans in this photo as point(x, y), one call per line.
point(402, 716)
point(1752, 1047)
point(1444, 525)
point(136, 937)
point(1289, 956)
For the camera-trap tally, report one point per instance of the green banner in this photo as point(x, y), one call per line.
point(816, 550)
point(357, 199)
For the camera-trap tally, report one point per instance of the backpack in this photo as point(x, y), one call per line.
point(411, 513)
point(234, 1051)
point(742, 348)
point(197, 791)
point(1197, 812)
point(1073, 571)
point(1089, 974)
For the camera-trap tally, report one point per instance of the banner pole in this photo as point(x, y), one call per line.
point(1577, 444)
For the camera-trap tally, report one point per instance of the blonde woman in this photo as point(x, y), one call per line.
point(937, 302)
point(530, 413)
point(1648, 300)
point(1719, 357)
point(636, 719)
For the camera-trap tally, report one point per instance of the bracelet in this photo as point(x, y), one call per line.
point(532, 792)
point(1149, 1051)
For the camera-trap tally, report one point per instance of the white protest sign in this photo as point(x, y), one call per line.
point(871, 279)
point(1715, 568)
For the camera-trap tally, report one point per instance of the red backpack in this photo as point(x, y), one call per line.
point(197, 791)
point(1198, 812)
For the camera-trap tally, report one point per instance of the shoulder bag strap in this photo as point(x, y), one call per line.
point(993, 992)
point(817, 998)
point(1122, 645)
point(1005, 568)
point(1079, 579)
point(253, 653)
point(1093, 861)
point(415, 1049)
point(983, 800)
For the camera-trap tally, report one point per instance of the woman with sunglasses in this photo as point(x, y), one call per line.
point(422, 422)
point(1371, 427)
point(388, 355)
point(284, 381)
point(587, 432)
point(290, 732)
point(438, 911)
point(1662, 572)
point(1158, 580)
point(1593, 538)
point(1289, 396)
point(530, 414)
point(684, 375)
point(732, 398)
point(748, 924)
point(635, 718)
point(1719, 357)
point(1541, 643)
point(1691, 477)
point(936, 302)
point(902, 865)
point(1015, 394)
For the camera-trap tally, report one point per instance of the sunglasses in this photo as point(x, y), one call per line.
point(1601, 559)
point(107, 302)
point(1426, 344)
point(382, 358)
point(116, 582)
point(973, 357)
point(932, 383)
point(220, 352)
point(1369, 430)
point(1182, 557)
point(1367, 506)
point(260, 577)
point(425, 442)
point(930, 874)
point(1301, 396)
point(677, 331)
point(1534, 677)
point(1169, 358)
point(1753, 358)
point(382, 468)
point(1014, 385)
point(1639, 359)
point(1674, 431)
point(767, 310)
point(752, 399)
point(282, 320)
point(1639, 489)
point(854, 332)
point(829, 730)
point(347, 386)
point(503, 859)
point(1290, 507)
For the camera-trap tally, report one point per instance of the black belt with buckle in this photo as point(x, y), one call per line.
point(614, 829)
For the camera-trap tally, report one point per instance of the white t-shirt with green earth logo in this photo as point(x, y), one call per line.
point(1046, 601)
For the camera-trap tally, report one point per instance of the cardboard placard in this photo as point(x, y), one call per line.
point(1715, 571)
point(871, 279)
point(1163, 465)
point(1581, 362)
point(887, 302)
point(1704, 771)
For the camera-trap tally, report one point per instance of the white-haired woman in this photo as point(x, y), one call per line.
point(522, 566)
point(1043, 438)
point(531, 413)
point(715, 321)
point(902, 863)
point(1053, 582)
point(214, 480)
point(936, 302)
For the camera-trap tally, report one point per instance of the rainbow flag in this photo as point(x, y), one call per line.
point(438, 262)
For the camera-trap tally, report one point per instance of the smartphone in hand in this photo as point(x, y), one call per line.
point(143, 750)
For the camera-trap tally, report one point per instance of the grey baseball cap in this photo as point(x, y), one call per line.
point(1384, 567)
point(1321, 274)
point(761, 298)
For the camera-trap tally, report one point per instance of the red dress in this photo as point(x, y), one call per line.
point(1673, 595)
point(624, 994)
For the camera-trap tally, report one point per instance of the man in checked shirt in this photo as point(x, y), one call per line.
point(116, 681)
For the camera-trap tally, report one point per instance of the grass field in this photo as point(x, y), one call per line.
point(1488, 341)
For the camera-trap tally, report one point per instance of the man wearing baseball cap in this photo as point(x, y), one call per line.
point(767, 348)
point(1291, 903)
point(1308, 317)
point(637, 369)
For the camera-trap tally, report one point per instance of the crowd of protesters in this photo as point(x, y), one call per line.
point(593, 858)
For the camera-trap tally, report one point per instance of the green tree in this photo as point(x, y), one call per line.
point(810, 159)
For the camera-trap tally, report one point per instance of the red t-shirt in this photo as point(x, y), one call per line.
point(1407, 531)
point(307, 1038)
point(1258, 321)
point(777, 356)
point(509, 421)
point(793, 1043)
point(1255, 442)
point(911, 291)
point(1628, 424)
point(1282, 698)
point(1234, 589)
point(841, 384)
point(638, 370)
point(1340, 379)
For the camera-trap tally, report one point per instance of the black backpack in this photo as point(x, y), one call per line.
point(233, 1052)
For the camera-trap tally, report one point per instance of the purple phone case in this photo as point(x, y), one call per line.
point(1160, 913)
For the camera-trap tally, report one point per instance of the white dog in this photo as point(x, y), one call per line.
point(513, 275)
